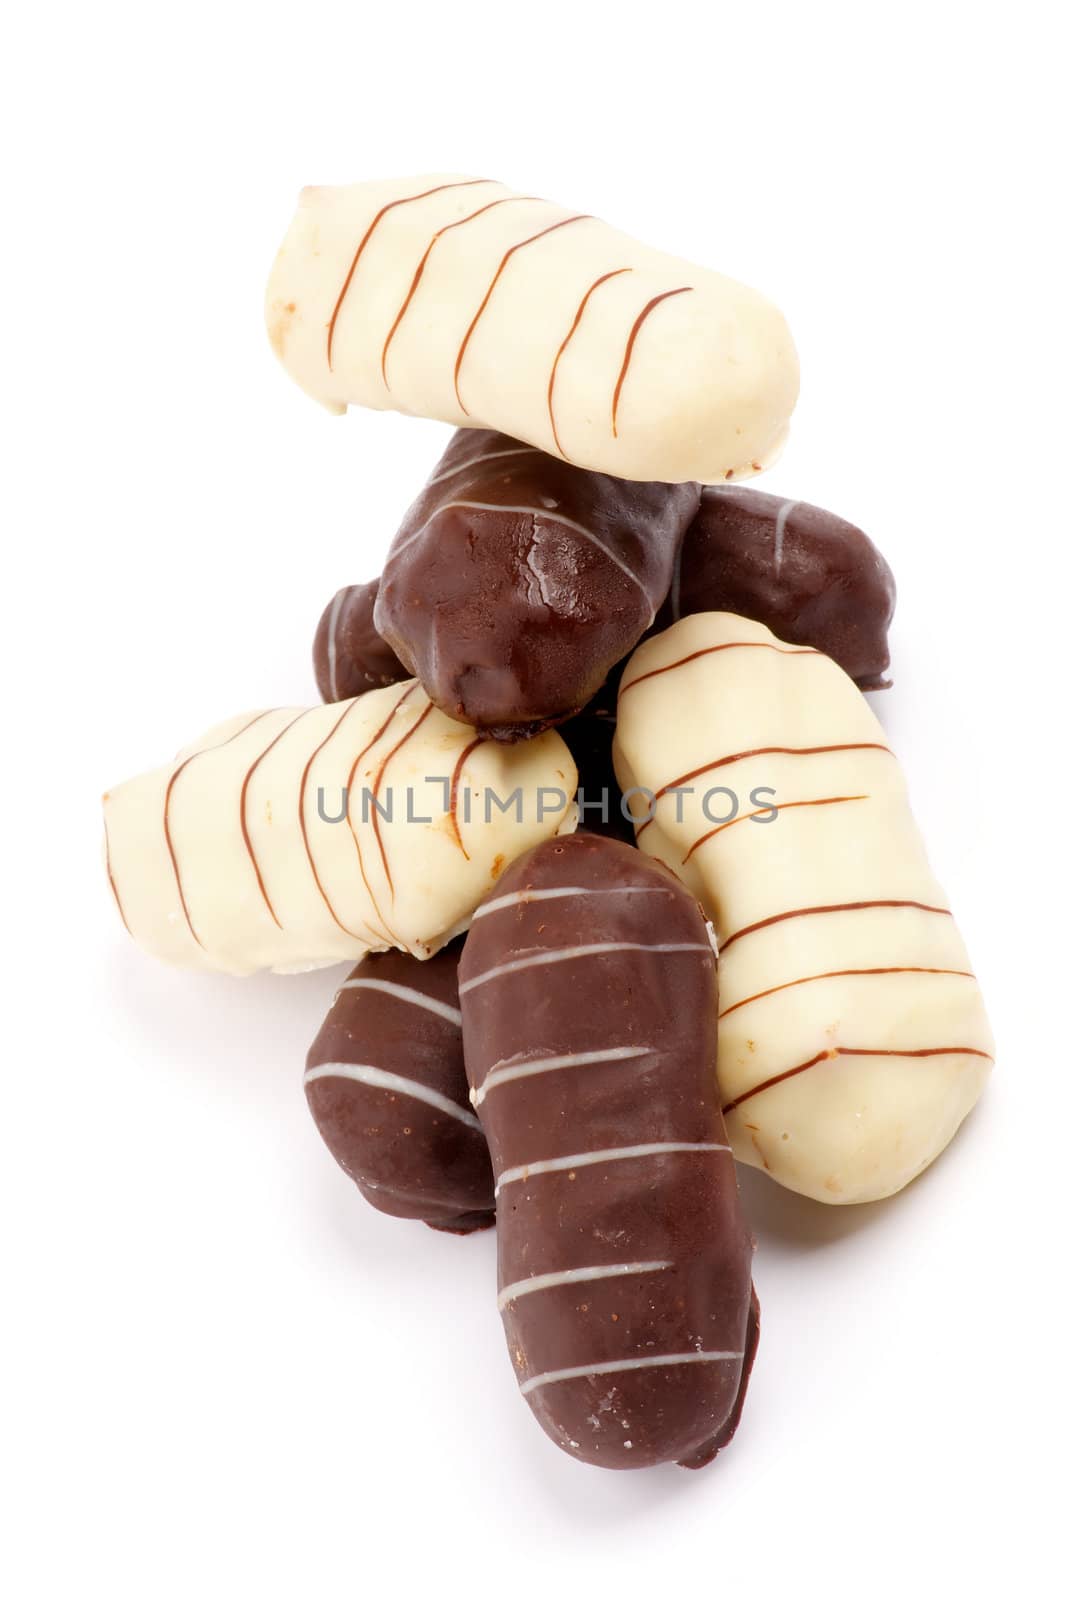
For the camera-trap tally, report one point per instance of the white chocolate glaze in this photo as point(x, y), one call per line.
point(852, 1037)
point(456, 298)
point(231, 858)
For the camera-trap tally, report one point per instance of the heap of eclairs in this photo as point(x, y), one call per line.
point(624, 857)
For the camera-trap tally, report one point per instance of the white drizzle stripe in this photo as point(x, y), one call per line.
point(524, 897)
point(334, 617)
point(492, 455)
point(556, 1280)
point(591, 1158)
point(780, 521)
point(527, 511)
point(378, 1078)
point(547, 957)
point(600, 1369)
point(401, 991)
point(501, 1073)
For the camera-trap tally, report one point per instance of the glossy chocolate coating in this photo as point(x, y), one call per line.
point(394, 1021)
point(350, 655)
point(625, 1280)
point(516, 581)
point(357, 654)
point(808, 575)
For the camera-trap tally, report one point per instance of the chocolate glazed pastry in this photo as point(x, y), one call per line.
point(516, 581)
point(589, 1001)
point(350, 655)
point(809, 576)
point(385, 1081)
point(348, 651)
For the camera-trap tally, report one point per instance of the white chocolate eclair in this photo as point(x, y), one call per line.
point(292, 839)
point(456, 298)
point(852, 1037)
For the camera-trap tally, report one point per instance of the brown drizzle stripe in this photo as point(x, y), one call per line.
point(242, 814)
point(819, 911)
point(392, 205)
point(473, 744)
point(743, 755)
point(174, 776)
point(832, 1055)
point(844, 972)
point(425, 257)
point(632, 336)
point(420, 720)
point(351, 826)
point(513, 250)
point(348, 709)
point(712, 649)
point(615, 273)
point(787, 805)
point(109, 875)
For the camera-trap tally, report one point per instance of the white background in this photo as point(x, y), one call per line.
point(227, 1376)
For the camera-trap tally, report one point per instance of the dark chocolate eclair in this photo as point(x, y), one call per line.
point(589, 1001)
point(349, 652)
point(808, 575)
point(350, 655)
point(517, 580)
point(385, 1081)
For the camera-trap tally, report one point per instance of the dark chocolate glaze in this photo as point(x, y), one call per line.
point(517, 581)
point(831, 589)
point(653, 1248)
point(808, 575)
point(589, 737)
point(410, 1157)
point(361, 660)
point(356, 657)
